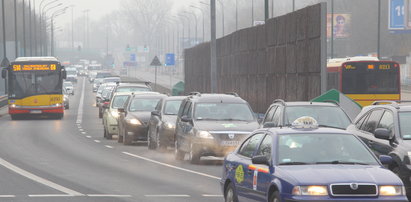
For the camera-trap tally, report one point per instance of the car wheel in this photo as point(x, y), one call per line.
point(150, 143)
point(120, 137)
point(178, 154)
point(105, 132)
point(127, 140)
point(160, 144)
point(275, 197)
point(229, 194)
point(194, 155)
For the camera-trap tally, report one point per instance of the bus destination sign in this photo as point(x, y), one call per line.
point(34, 67)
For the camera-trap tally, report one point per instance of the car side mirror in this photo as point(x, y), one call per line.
point(64, 74)
point(186, 119)
point(382, 133)
point(260, 159)
point(269, 125)
point(155, 113)
point(386, 160)
point(121, 110)
point(4, 73)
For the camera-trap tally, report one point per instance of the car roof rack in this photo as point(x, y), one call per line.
point(332, 101)
point(232, 93)
point(390, 102)
point(280, 101)
point(195, 94)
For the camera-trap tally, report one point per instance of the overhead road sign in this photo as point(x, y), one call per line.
point(170, 59)
point(396, 14)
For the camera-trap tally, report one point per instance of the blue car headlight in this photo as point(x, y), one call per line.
point(312, 190)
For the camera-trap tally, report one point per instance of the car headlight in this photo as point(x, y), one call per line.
point(56, 105)
point(389, 190)
point(170, 125)
point(134, 121)
point(13, 106)
point(115, 114)
point(204, 134)
point(313, 190)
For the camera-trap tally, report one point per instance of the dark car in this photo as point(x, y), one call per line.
point(134, 117)
point(385, 127)
point(162, 123)
point(212, 125)
point(328, 114)
point(305, 163)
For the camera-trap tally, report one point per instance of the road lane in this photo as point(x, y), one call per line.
point(58, 151)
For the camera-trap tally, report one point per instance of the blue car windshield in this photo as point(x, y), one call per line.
point(300, 149)
point(326, 116)
point(405, 127)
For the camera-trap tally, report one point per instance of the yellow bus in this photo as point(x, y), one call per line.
point(365, 79)
point(34, 86)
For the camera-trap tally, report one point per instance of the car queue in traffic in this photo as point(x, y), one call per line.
point(299, 151)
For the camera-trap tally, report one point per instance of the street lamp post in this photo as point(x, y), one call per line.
point(24, 28)
point(53, 16)
point(16, 47)
point(5, 61)
point(195, 18)
point(222, 14)
point(202, 11)
point(252, 13)
point(45, 15)
point(188, 21)
point(41, 13)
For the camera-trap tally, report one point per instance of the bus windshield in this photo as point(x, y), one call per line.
point(370, 78)
point(28, 83)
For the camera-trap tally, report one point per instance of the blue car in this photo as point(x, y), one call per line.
point(307, 163)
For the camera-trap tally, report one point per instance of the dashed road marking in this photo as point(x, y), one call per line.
point(171, 166)
point(81, 129)
point(89, 137)
point(97, 141)
point(49, 195)
point(109, 195)
point(38, 179)
point(212, 195)
point(108, 146)
point(83, 133)
point(81, 104)
point(7, 196)
point(168, 195)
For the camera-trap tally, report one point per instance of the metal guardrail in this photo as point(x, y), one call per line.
point(3, 101)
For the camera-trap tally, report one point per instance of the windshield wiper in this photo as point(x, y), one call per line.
point(327, 126)
point(294, 163)
point(342, 162)
point(234, 120)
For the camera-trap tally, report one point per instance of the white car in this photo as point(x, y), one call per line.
point(69, 87)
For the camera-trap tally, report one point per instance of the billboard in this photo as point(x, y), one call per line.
point(341, 27)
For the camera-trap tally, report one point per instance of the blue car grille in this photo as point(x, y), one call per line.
point(354, 189)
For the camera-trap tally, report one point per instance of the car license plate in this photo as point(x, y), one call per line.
point(230, 143)
point(35, 112)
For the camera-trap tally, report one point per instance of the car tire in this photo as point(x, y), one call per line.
point(194, 155)
point(229, 194)
point(127, 140)
point(178, 154)
point(275, 197)
point(150, 143)
point(160, 144)
point(120, 137)
point(105, 132)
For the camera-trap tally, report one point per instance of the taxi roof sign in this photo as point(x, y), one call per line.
point(305, 122)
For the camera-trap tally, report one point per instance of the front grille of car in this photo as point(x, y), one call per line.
point(227, 136)
point(354, 189)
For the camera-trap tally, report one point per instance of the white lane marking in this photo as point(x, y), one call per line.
point(171, 166)
point(108, 146)
point(83, 133)
point(81, 104)
point(212, 195)
point(109, 195)
point(97, 141)
point(81, 130)
point(38, 179)
point(168, 195)
point(88, 136)
point(49, 195)
point(7, 196)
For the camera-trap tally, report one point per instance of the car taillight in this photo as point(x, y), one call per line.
point(106, 103)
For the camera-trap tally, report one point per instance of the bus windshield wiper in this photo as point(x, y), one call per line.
point(342, 162)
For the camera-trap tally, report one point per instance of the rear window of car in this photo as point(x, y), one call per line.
point(327, 116)
point(118, 101)
point(132, 89)
point(143, 104)
point(172, 107)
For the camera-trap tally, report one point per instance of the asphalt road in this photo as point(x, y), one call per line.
point(69, 160)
